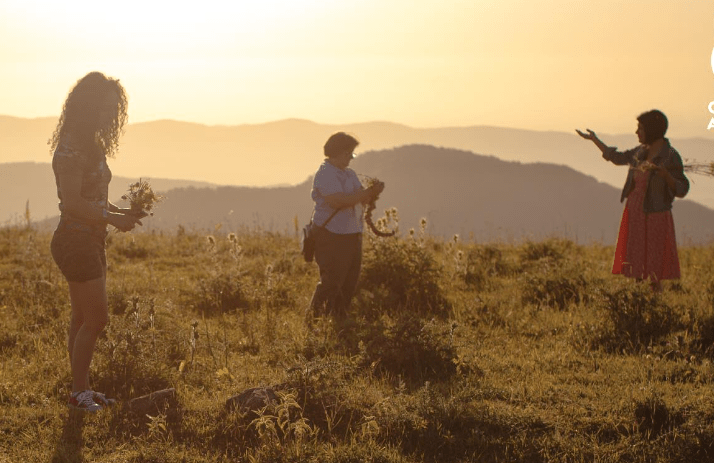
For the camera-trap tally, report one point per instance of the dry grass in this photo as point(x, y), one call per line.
point(523, 353)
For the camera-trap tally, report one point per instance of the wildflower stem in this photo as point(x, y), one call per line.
point(208, 341)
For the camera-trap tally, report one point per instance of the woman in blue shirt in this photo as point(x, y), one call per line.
point(339, 198)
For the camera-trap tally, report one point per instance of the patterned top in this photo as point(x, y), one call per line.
point(95, 173)
point(330, 180)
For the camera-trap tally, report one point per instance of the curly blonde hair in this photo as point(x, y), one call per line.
point(80, 115)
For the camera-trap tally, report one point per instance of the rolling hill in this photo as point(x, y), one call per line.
point(285, 152)
point(478, 197)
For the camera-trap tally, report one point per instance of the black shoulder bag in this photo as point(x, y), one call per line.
point(309, 232)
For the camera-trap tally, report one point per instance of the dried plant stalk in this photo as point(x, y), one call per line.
point(701, 168)
point(370, 208)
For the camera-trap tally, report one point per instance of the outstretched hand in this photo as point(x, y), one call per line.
point(588, 136)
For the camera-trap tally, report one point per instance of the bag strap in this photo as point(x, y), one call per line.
point(331, 216)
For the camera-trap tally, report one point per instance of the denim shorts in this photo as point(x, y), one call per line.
point(79, 251)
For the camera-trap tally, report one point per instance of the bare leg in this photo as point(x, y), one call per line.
point(89, 317)
point(75, 322)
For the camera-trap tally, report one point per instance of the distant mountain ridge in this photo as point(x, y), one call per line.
point(33, 184)
point(458, 192)
point(287, 152)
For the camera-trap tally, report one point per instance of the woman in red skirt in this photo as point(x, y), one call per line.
point(646, 244)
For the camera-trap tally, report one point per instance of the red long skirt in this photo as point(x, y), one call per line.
point(646, 244)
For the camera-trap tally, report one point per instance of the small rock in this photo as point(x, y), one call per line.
point(252, 400)
point(152, 403)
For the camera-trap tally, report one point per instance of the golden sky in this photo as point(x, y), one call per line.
point(546, 65)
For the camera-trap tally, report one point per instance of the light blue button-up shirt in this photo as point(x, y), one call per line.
point(330, 180)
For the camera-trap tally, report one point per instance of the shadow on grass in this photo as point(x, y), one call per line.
point(68, 448)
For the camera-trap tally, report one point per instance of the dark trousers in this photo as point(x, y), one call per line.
point(339, 258)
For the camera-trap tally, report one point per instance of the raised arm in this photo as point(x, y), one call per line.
point(609, 153)
point(590, 135)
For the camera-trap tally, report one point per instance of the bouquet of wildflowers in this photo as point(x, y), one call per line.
point(142, 198)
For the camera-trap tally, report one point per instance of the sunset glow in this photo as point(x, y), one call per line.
point(547, 66)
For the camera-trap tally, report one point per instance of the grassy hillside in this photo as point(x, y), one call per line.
point(455, 352)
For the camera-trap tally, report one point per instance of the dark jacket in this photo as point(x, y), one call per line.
point(659, 196)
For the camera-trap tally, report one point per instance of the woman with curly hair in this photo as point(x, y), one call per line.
point(88, 131)
point(646, 245)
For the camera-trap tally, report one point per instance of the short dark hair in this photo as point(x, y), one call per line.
point(338, 143)
point(655, 124)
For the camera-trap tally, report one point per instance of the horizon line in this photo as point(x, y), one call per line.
point(347, 124)
point(364, 123)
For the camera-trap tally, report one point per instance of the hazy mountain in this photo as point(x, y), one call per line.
point(285, 152)
point(24, 140)
point(456, 191)
point(33, 184)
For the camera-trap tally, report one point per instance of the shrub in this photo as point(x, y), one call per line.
point(553, 249)
point(402, 275)
point(131, 358)
point(322, 388)
point(416, 350)
point(278, 432)
point(557, 291)
point(219, 292)
point(482, 263)
point(448, 425)
point(636, 316)
point(653, 416)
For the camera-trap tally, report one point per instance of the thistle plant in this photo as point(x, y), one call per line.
point(141, 197)
point(236, 251)
point(134, 311)
point(370, 208)
point(194, 337)
point(211, 242)
point(152, 326)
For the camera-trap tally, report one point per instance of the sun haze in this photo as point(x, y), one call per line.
point(550, 65)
